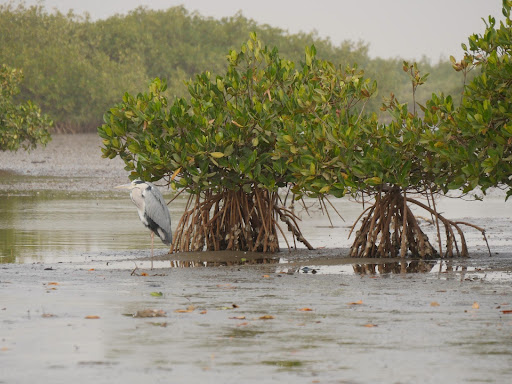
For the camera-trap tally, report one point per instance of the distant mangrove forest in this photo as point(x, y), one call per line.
point(75, 68)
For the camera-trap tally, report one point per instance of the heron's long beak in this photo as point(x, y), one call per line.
point(124, 186)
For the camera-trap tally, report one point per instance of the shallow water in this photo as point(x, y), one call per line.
point(49, 226)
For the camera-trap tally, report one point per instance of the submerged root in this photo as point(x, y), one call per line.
point(234, 220)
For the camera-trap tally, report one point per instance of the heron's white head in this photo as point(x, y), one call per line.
point(131, 185)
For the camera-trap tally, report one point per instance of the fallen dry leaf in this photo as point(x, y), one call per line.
point(91, 317)
point(356, 302)
point(238, 318)
point(242, 324)
point(190, 308)
point(266, 317)
point(434, 304)
point(370, 325)
point(143, 274)
point(507, 311)
point(53, 283)
point(266, 276)
point(92, 269)
point(150, 313)
point(305, 309)
point(203, 312)
point(48, 315)
point(475, 305)
point(163, 325)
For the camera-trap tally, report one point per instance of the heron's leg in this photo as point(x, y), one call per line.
point(152, 241)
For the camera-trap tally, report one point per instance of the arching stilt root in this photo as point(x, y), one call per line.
point(390, 225)
point(234, 220)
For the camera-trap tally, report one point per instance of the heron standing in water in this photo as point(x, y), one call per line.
point(152, 210)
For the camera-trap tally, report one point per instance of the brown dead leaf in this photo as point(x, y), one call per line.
point(143, 274)
point(190, 308)
point(434, 304)
point(91, 317)
point(369, 325)
point(238, 318)
point(305, 309)
point(266, 317)
point(356, 302)
point(265, 276)
point(92, 269)
point(203, 312)
point(53, 283)
point(242, 324)
point(475, 305)
point(507, 311)
point(150, 313)
point(163, 325)
point(48, 315)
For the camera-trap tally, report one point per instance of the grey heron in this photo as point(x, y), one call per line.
point(152, 210)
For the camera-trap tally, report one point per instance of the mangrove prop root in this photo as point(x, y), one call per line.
point(234, 220)
point(390, 229)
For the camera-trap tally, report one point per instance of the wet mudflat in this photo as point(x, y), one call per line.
point(254, 323)
point(78, 302)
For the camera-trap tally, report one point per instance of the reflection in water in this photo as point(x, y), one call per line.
point(53, 227)
point(229, 261)
point(407, 266)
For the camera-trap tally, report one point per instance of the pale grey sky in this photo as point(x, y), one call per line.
point(393, 28)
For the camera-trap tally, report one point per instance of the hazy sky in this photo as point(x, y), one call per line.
point(393, 28)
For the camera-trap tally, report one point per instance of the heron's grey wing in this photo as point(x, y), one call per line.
point(156, 210)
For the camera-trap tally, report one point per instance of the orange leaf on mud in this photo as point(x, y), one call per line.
point(92, 317)
point(507, 311)
point(475, 305)
point(143, 274)
point(150, 313)
point(92, 269)
point(305, 309)
point(203, 312)
point(266, 317)
point(434, 304)
point(53, 283)
point(238, 318)
point(266, 276)
point(190, 308)
point(356, 302)
point(370, 325)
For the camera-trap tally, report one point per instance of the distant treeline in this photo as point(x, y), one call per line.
point(76, 69)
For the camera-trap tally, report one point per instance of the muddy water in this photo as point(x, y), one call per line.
point(52, 226)
point(75, 274)
point(57, 226)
